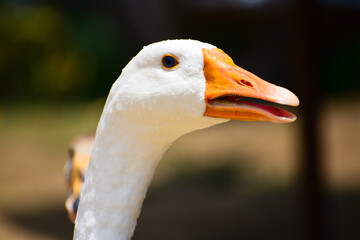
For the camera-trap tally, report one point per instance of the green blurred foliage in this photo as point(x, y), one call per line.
point(47, 55)
point(37, 54)
point(72, 50)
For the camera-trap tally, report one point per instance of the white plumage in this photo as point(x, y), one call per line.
point(148, 108)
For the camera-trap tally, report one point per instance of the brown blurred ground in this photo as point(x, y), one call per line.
point(235, 180)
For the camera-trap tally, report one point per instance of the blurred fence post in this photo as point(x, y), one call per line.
point(305, 27)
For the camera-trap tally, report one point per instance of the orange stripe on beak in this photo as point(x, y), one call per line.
point(227, 85)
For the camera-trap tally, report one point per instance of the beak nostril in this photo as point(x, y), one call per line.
point(246, 83)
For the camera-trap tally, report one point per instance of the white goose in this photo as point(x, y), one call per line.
point(170, 88)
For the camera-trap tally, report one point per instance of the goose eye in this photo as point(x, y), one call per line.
point(169, 61)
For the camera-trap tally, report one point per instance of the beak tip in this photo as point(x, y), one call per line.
point(287, 97)
point(294, 101)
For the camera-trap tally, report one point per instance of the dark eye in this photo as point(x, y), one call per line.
point(169, 61)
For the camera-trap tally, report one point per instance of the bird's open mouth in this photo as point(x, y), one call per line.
point(250, 109)
point(234, 93)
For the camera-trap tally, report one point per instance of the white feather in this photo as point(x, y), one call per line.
point(147, 109)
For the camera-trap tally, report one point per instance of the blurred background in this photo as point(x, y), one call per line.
point(239, 180)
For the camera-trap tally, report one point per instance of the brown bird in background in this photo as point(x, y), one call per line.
point(75, 168)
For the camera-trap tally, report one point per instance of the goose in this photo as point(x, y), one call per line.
point(75, 168)
point(168, 89)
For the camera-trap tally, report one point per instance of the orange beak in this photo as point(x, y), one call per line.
point(227, 86)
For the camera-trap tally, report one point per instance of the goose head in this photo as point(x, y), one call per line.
point(191, 84)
